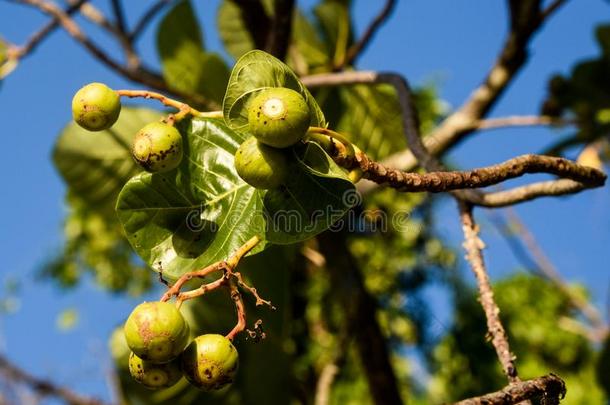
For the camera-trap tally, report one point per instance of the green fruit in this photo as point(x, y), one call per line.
point(119, 349)
point(156, 331)
point(96, 107)
point(154, 376)
point(278, 117)
point(157, 147)
point(259, 165)
point(210, 362)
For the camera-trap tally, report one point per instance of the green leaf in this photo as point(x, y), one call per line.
point(232, 29)
point(336, 25)
point(373, 119)
point(96, 165)
point(202, 212)
point(309, 52)
point(67, 319)
point(257, 71)
point(186, 67)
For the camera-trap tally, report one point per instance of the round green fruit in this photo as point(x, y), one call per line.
point(96, 107)
point(119, 349)
point(259, 165)
point(157, 147)
point(156, 331)
point(154, 376)
point(278, 117)
point(210, 362)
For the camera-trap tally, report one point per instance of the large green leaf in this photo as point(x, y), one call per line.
point(335, 23)
point(202, 212)
point(309, 54)
point(95, 165)
point(232, 29)
point(257, 71)
point(186, 66)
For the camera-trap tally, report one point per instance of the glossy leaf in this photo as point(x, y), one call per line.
point(202, 212)
point(254, 72)
point(186, 66)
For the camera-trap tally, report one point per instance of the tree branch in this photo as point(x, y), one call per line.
point(356, 49)
point(146, 18)
point(466, 119)
point(42, 386)
point(280, 33)
point(360, 310)
point(256, 20)
point(44, 32)
point(473, 246)
point(521, 121)
point(550, 388)
point(138, 75)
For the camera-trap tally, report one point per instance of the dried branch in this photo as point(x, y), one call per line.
point(473, 246)
point(550, 388)
point(146, 18)
point(356, 49)
point(42, 386)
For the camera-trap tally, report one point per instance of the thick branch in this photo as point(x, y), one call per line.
point(42, 386)
point(523, 121)
point(356, 49)
point(473, 246)
point(360, 311)
point(550, 388)
point(281, 28)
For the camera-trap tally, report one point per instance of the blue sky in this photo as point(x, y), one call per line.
point(452, 43)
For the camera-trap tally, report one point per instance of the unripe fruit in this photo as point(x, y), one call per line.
point(259, 165)
point(154, 376)
point(96, 107)
point(278, 117)
point(157, 147)
point(156, 331)
point(210, 362)
point(119, 349)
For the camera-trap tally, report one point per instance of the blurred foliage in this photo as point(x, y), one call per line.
point(465, 365)
point(584, 95)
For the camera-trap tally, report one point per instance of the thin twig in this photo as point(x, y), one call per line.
point(473, 246)
point(36, 38)
point(512, 228)
point(42, 386)
point(146, 18)
point(551, 8)
point(549, 388)
point(356, 49)
point(119, 16)
point(523, 121)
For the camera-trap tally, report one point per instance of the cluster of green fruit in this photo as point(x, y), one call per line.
point(277, 118)
point(158, 336)
point(157, 147)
